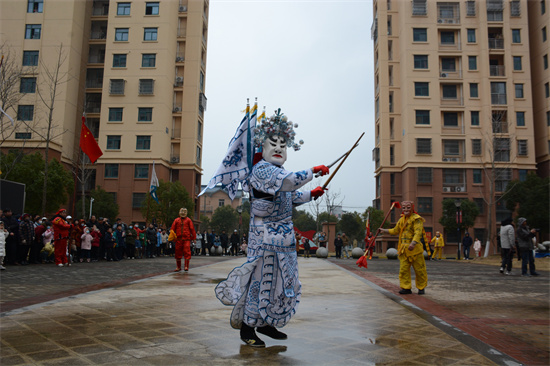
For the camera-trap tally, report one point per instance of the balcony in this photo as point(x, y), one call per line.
point(177, 108)
point(94, 83)
point(498, 98)
point(100, 8)
point(496, 43)
point(180, 57)
point(497, 70)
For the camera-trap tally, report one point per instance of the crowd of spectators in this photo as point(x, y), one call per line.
point(29, 239)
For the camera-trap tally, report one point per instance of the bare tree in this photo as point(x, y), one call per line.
point(52, 78)
point(496, 165)
point(332, 200)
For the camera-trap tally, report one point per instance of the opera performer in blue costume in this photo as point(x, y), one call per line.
point(265, 291)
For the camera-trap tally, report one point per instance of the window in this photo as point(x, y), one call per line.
point(151, 8)
point(419, 7)
point(146, 86)
point(548, 118)
point(28, 85)
point(424, 204)
point(519, 90)
point(450, 119)
point(470, 8)
point(498, 93)
point(542, 7)
point(119, 60)
point(111, 170)
point(480, 205)
point(471, 36)
point(544, 34)
point(25, 112)
point(115, 114)
point(420, 61)
point(495, 10)
point(474, 91)
point(30, 58)
point(522, 175)
point(547, 90)
point(141, 171)
point(517, 63)
point(424, 175)
point(35, 6)
point(522, 147)
point(199, 130)
point(150, 34)
point(545, 61)
point(421, 89)
point(145, 114)
point(499, 121)
point(520, 119)
point(420, 35)
point(478, 176)
point(449, 91)
point(472, 62)
point(474, 116)
point(515, 8)
point(113, 142)
point(32, 31)
point(138, 199)
point(143, 143)
point(198, 155)
point(121, 34)
point(453, 176)
point(476, 146)
point(448, 64)
point(201, 82)
point(221, 202)
point(148, 60)
point(22, 135)
point(451, 147)
point(447, 38)
point(117, 87)
point(423, 146)
point(422, 117)
point(516, 35)
point(123, 9)
point(501, 147)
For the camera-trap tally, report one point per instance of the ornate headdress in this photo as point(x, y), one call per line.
point(277, 125)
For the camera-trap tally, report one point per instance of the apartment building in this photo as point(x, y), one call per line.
point(135, 68)
point(454, 112)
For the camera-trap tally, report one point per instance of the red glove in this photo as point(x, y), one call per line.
point(317, 192)
point(323, 170)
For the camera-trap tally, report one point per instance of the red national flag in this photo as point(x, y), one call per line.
point(88, 144)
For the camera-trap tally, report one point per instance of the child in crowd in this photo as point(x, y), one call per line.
point(477, 247)
point(86, 245)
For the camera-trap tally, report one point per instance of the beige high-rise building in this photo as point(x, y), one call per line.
point(136, 68)
point(456, 109)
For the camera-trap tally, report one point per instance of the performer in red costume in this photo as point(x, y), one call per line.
point(61, 235)
point(185, 232)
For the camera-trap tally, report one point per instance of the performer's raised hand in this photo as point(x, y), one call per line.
point(321, 169)
point(317, 192)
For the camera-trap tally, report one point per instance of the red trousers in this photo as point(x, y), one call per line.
point(183, 249)
point(60, 250)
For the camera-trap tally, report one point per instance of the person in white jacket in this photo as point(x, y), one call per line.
point(507, 243)
point(3, 235)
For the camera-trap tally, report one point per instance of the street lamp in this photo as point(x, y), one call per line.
point(91, 204)
point(240, 211)
point(458, 203)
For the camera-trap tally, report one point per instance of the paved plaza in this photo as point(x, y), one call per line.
point(138, 312)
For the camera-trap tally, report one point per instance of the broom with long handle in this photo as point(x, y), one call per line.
point(362, 262)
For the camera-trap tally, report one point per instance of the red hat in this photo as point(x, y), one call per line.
point(60, 210)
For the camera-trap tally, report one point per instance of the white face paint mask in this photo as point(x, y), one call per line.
point(274, 150)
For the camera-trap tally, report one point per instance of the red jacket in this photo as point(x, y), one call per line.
point(184, 229)
point(60, 228)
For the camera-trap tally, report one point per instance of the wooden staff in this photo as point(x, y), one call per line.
point(342, 162)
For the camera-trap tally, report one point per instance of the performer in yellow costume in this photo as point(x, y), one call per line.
point(438, 246)
point(410, 229)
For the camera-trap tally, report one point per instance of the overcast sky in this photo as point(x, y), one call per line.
point(312, 59)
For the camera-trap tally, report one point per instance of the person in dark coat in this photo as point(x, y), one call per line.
point(11, 224)
point(224, 240)
point(525, 237)
point(26, 238)
point(235, 241)
point(338, 243)
point(466, 244)
point(151, 235)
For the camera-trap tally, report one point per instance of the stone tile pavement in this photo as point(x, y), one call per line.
point(139, 313)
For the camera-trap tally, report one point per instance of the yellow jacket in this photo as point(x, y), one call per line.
point(438, 241)
point(409, 229)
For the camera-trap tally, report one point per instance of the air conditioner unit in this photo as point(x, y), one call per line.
point(444, 74)
point(179, 79)
point(177, 109)
point(440, 21)
point(460, 189)
point(179, 59)
point(183, 9)
point(455, 160)
point(446, 189)
point(175, 159)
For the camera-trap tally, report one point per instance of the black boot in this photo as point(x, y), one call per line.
point(248, 336)
point(271, 332)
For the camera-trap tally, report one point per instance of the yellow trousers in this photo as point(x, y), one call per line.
point(419, 265)
point(437, 250)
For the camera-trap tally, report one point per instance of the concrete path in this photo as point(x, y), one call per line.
point(138, 313)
